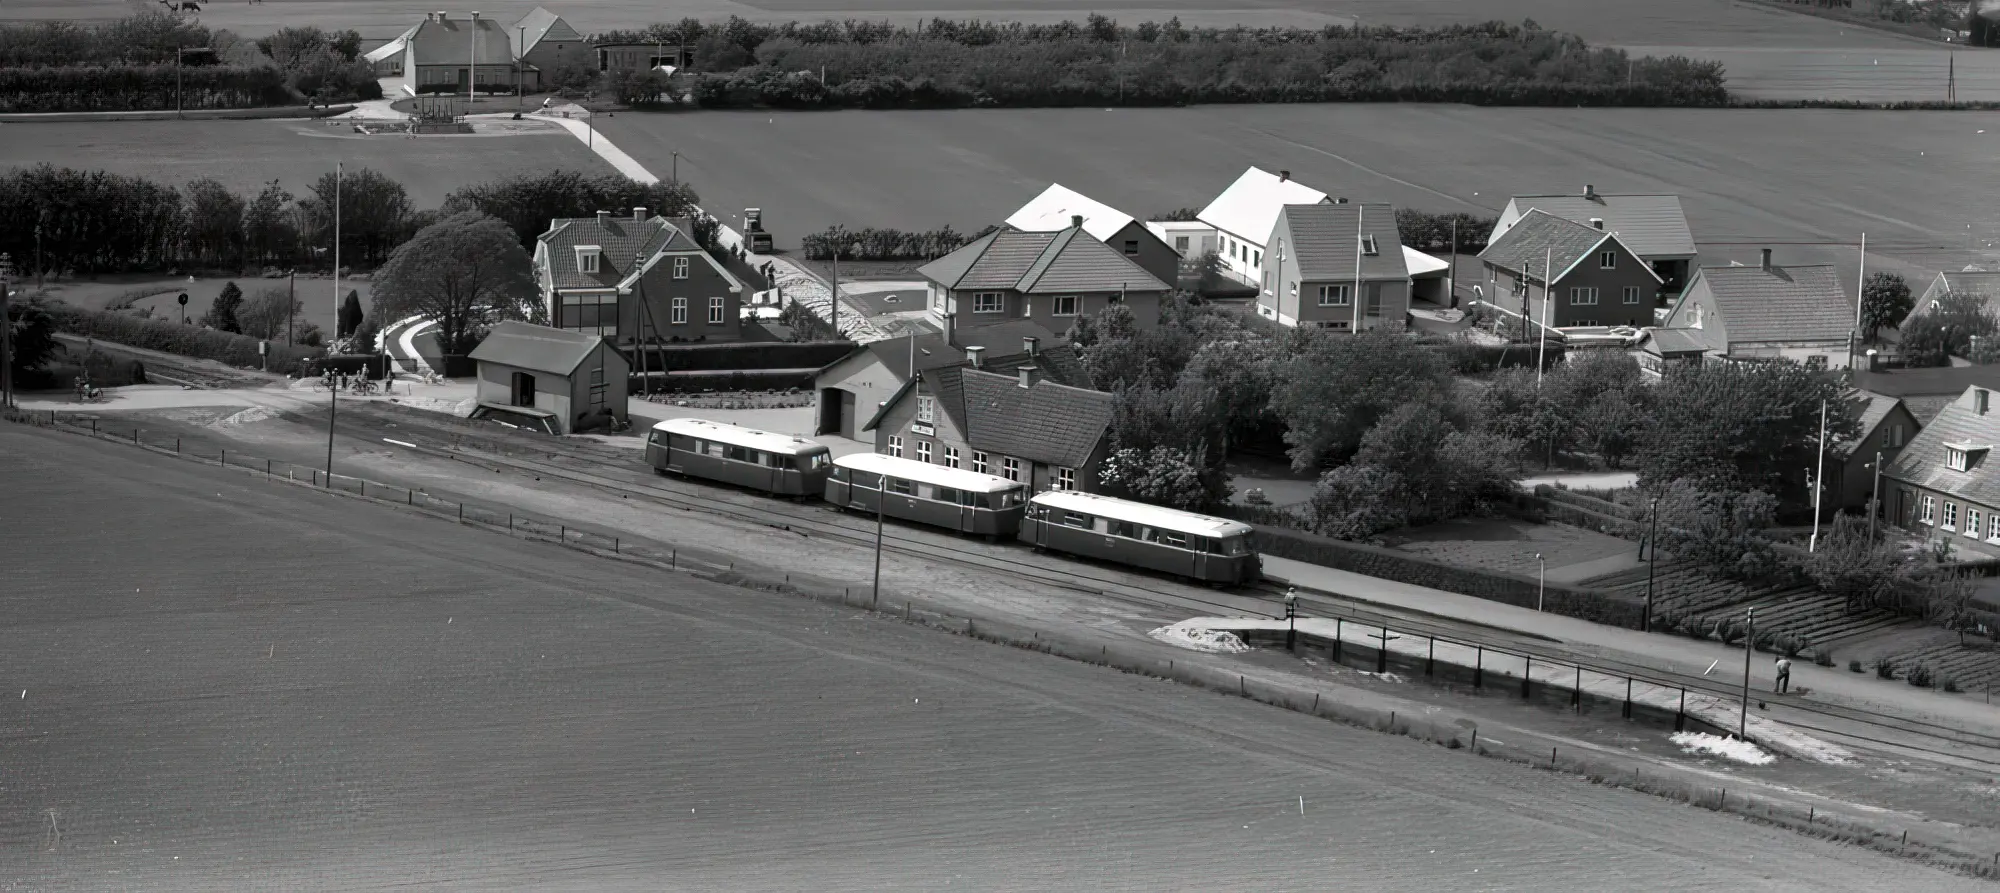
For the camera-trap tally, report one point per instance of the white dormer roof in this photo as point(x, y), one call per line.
point(1249, 208)
point(1051, 212)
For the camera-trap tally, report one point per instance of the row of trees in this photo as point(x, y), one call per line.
point(64, 221)
point(944, 64)
point(135, 64)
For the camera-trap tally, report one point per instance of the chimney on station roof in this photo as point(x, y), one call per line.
point(972, 355)
point(1765, 262)
point(1076, 220)
point(1029, 374)
point(1597, 222)
point(1284, 176)
point(1590, 192)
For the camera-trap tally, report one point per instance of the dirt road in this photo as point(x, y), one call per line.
point(215, 681)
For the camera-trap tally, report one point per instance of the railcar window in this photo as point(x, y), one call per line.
point(820, 460)
point(944, 494)
point(904, 487)
point(1234, 545)
point(971, 499)
point(839, 473)
point(1073, 519)
point(1125, 529)
point(710, 447)
point(739, 454)
point(1007, 499)
point(1166, 537)
point(656, 437)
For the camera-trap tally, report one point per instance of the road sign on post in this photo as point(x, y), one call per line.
point(184, 307)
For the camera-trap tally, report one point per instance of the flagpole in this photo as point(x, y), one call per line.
point(1860, 298)
point(336, 246)
point(1819, 485)
point(1548, 297)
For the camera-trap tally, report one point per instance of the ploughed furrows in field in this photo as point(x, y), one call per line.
point(1973, 669)
point(1816, 617)
point(1683, 588)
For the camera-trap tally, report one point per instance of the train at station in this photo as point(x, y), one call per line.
point(1087, 525)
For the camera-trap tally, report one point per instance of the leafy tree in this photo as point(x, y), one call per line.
point(462, 272)
point(1739, 427)
point(1355, 502)
point(1335, 388)
point(269, 313)
point(1239, 371)
point(1515, 407)
point(1604, 402)
point(222, 314)
point(805, 324)
point(1423, 462)
point(374, 213)
point(364, 338)
point(350, 315)
point(214, 222)
point(527, 203)
point(1946, 329)
point(269, 233)
point(1885, 301)
point(1865, 572)
point(1718, 529)
point(1165, 476)
point(34, 334)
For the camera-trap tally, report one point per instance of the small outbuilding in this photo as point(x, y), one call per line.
point(549, 379)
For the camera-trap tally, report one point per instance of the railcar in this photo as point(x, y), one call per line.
point(953, 498)
point(1215, 550)
point(774, 463)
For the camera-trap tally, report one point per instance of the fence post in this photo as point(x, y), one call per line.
point(224, 461)
point(1479, 666)
point(461, 513)
point(177, 446)
point(1527, 675)
point(1430, 660)
point(135, 437)
point(93, 427)
point(410, 497)
point(1680, 714)
point(267, 468)
point(1628, 697)
point(1339, 630)
point(1579, 688)
point(510, 522)
point(614, 545)
point(562, 533)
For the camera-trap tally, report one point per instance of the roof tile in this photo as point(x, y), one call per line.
point(1780, 304)
point(1540, 239)
point(1650, 225)
point(1922, 461)
point(1324, 238)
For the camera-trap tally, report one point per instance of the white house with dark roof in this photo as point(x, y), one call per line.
point(1244, 215)
point(1057, 208)
point(548, 379)
point(1970, 281)
point(445, 55)
point(852, 392)
point(1653, 226)
point(1768, 312)
point(1944, 483)
point(1050, 278)
point(635, 278)
point(1336, 266)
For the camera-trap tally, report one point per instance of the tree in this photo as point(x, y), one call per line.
point(214, 222)
point(1885, 301)
point(1739, 427)
point(1239, 372)
point(268, 231)
point(528, 202)
point(463, 271)
point(1334, 389)
point(1163, 476)
point(805, 324)
point(270, 313)
point(1946, 329)
point(1355, 502)
point(1603, 400)
point(364, 337)
point(222, 314)
point(34, 335)
point(374, 214)
point(1718, 529)
point(349, 317)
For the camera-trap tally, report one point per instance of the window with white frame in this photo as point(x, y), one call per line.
point(1010, 468)
point(923, 451)
point(715, 311)
point(680, 316)
point(979, 462)
point(680, 268)
point(1972, 525)
point(1607, 260)
point(1816, 362)
point(1583, 296)
point(1336, 295)
point(1065, 305)
point(988, 302)
point(586, 258)
point(1631, 294)
point(1956, 458)
point(1950, 515)
point(1896, 435)
point(1368, 246)
point(950, 456)
point(1929, 509)
point(1993, 525)
point(1065, 478)
point(895, 446)
point(1267, 282)
point(926, 409)
point(594, 313)
point(1295, 289)
point(1181, 244)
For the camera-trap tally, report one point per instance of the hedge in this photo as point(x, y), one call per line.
point(737, 380)
point(130, 88)
point(743, 356)
point(177, 338)
point(885, 244)
point(1597, 606)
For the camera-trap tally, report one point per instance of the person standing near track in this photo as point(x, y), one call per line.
point(1783, 683)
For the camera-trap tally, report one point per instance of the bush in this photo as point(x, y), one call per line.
point(1854, 665)
point(1425, 231)
point(148, 87)
point(1921, 676)
point(175, 338)
point(1824, 657)
point(1885, 668)
point(1950, 684)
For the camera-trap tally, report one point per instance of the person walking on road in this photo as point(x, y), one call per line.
point(1784, 681)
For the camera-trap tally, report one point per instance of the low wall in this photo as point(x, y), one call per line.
point(1589, 604)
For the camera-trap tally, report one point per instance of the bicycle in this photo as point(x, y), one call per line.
point(362, 387)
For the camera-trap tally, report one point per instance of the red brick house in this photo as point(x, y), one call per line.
point(635, 279)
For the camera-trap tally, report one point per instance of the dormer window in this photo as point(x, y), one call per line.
point(1368, 246)
point(587, 257)
point(1963, 456)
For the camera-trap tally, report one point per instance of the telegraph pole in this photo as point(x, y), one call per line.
point(1874, 495)
point(1749, 646)
point(1652, 564)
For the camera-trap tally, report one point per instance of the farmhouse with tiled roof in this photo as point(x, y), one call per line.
point(1050, 278)
point(1014, 423)
point(1944, 482)
point(1768, 312)
point(1653, 226)
point(1244, 214)
point(635, 279)
point(1598, 280)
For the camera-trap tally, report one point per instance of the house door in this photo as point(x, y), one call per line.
point(524, 389)
point(850, 428)
point(1906, 508)
point(464, 79)
point(829, 411)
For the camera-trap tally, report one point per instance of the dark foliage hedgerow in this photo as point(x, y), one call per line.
point(1588, 604)
point(176, 338)
point(737, 380)
point(885, 244)
point(139, 88)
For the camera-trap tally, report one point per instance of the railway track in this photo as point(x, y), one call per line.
point(598, 463)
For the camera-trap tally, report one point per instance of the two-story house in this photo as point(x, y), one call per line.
point(1886, 427)
point(544, 42)
point(1943, 482)
point(1058, 207)
point(1244, 214)
point(1596, 281)
point(1768, 312)
point(1016, 424)
point(443, 54)
point(636, 279)
point(853, 390)
point(1049, 278)
point(1336, 266)
point(1653, 226)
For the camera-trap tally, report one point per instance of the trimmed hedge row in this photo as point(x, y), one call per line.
point(736, 380)
point(177, 338)
point(127, 88)
point(1593, 605)
point(741, 357)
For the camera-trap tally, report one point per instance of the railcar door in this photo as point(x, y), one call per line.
point(1198, 556)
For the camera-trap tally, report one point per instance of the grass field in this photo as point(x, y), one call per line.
point(245, 155)
point(230, 683)
point(1747, 178)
